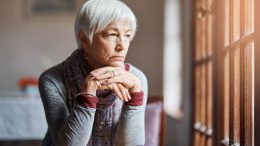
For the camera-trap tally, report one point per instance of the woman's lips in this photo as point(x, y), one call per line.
point(117, 58)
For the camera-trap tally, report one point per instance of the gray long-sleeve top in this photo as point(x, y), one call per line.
point(76, 128)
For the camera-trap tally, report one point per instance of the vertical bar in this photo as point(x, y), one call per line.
point(221, 39)
point(197, 104)
point(236, 97)
point(209, 21)
point(231, 95)
point(236, 20)
point(209, 102)
point(226, 97)
point(204, 30)
point(249, 16)
point(256, 70)
point(242, 73)
point(226, 22)
point(242, 18)
point(209, 80)
point(249, 92)
point(203, 101)
point(198, 42)
point(253, 94)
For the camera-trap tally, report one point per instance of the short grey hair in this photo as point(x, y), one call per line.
point(95, 15)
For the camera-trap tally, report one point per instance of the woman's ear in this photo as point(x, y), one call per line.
point(84, 41)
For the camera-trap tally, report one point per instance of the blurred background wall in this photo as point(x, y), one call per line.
point(29, 45)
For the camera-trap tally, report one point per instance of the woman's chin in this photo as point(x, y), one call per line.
point(117, 64)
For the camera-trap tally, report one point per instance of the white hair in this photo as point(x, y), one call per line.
point(95, 15)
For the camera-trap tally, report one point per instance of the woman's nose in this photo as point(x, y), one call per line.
point(121, 44)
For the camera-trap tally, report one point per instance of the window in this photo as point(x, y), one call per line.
point(224, 73)
point(203, 73)
point(236, 71)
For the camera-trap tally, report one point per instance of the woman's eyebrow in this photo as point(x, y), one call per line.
point(116, 29)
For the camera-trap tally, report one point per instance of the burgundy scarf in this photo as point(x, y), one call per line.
point(76, 69)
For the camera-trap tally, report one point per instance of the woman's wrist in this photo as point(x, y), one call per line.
point(136, 99)
point(90, 89)
point(85, 94)
point(86, 100)
point(89, 92)
point(137, 86)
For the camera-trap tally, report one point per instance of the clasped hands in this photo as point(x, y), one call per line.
point(117, 79)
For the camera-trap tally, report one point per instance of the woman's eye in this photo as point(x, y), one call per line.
point(109, 34)
point(112, 34)
point(128, 35)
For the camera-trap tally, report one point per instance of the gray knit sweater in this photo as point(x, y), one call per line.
point(111, 123)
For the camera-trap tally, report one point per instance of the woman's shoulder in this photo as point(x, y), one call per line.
point(55, 74)
point(136, 71)
point(52, 79)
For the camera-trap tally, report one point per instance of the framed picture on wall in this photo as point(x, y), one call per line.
point(51, 8)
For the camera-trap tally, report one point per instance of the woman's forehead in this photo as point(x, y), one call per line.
point(119, 25)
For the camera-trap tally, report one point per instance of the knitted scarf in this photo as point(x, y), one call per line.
point(76, 69)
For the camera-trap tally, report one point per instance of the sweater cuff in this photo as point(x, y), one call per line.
point(136, 99)
point(87, 100)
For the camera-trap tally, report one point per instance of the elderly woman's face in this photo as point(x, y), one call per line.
point(109, 48)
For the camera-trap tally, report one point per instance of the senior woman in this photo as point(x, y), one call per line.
point(94, 98)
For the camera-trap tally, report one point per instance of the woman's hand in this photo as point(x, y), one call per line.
point(91, 85)
point(111, 75)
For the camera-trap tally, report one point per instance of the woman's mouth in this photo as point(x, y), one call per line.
point(117, 58)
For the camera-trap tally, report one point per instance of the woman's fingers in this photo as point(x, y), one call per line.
point(117, 79)
point(128, 95)
point(102, 70)
point(118, 88)
point(118, 92)
point(112, 80)
point(111, 75)
point(107, 75)
point(123, 91)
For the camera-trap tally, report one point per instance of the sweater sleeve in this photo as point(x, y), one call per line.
point(65, 129)
point(131, 128)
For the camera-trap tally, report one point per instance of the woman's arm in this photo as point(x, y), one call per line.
point(65, 129)
point(131, 130)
